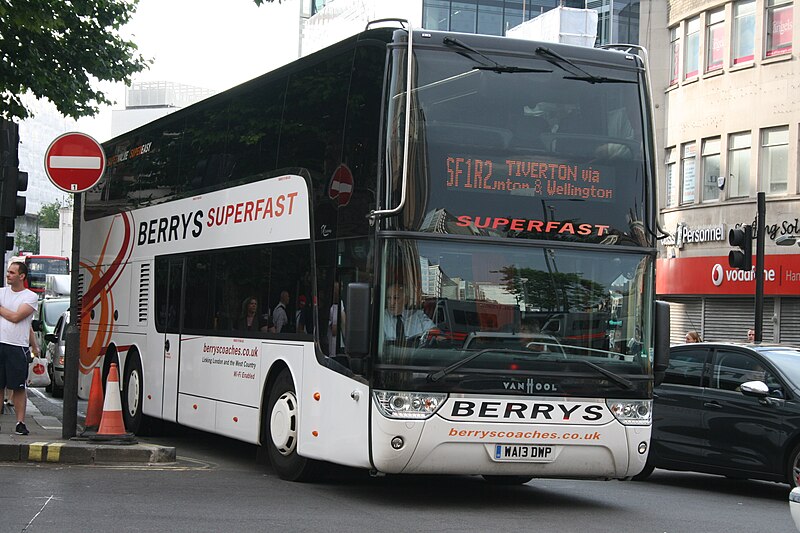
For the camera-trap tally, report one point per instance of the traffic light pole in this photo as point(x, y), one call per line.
point(73, 336)
point(759, 274)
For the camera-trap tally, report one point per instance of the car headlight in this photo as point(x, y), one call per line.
point(632, 412)
point(408, 405)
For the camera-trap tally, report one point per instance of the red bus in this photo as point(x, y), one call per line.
point(39, 266)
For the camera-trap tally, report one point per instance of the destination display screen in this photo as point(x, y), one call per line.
point(537, 178)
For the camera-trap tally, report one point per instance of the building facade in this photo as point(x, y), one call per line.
point(328, 21)
point(731, 114)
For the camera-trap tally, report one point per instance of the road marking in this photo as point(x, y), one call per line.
point(35, 451)
point(54, 452)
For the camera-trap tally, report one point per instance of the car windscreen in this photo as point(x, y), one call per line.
point(787, 359)
point(52, 310)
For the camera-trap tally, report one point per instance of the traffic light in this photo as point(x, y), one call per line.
point(12, 180)
point(7, 226)
point(13, 205)
point(743, 239)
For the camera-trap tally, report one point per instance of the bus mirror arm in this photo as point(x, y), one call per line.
point(374, 214)
point(661, 342)
point(357, 326)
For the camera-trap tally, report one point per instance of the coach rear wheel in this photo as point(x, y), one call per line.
point(507, 480)
point(132, 394)
point(279, 432)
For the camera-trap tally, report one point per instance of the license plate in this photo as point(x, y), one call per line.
point(534, 453)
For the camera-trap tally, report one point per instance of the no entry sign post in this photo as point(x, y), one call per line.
point(74, 162)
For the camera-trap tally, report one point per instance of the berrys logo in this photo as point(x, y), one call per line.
point(717, 274)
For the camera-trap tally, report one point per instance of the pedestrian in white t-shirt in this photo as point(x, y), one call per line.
point(17, 305)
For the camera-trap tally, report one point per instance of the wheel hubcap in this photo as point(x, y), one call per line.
point(132, 389)
point(283, 423)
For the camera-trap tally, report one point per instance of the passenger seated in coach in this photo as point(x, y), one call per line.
point(249, 319)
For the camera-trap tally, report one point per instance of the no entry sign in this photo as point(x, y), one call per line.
point(74, 162)
point(340, 187)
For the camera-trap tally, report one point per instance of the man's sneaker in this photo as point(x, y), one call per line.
point(21, 429)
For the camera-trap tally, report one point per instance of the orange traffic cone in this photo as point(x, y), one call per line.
point(94, 411)
point(112, 426)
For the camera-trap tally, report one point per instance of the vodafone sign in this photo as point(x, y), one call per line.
point(712, 275)
point(74, 162)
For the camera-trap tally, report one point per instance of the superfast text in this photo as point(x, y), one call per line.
point(191, 224)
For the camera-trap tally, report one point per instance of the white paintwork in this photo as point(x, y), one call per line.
point(585, 449)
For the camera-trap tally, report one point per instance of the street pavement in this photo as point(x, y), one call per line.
point(45, 443)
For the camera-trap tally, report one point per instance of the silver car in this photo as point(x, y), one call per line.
point(56, 348)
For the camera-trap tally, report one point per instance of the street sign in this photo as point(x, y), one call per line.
point(340, 187)
point(74, 162)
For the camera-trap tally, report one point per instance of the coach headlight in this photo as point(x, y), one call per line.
point(632, 412)
point(408, 405)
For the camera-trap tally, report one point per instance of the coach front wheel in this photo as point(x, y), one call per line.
point(280, 430)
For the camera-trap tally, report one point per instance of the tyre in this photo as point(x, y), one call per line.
point(56, 390)
point(279, 432)
point(793, 468)
point(132, 394)
point(507, 480)
point(49, 388)
point(644, 474)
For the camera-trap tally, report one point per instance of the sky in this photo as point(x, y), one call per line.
point(214, 44)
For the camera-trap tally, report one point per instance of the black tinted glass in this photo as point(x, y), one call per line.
point(686, 367)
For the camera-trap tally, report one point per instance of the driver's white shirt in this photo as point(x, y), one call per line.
point(415, 322)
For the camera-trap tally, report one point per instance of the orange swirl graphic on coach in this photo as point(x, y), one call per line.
point(101, 278)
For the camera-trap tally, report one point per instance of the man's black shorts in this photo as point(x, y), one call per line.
point(13, 366)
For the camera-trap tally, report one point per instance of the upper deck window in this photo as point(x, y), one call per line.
point(530, 150)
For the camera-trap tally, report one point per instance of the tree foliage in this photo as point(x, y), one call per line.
point(56, 49)
point(49, 215)
point(26, 242)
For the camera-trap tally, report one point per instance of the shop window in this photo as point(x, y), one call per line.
point(675, 57)
point(692, 60)
point(778, 24)
point(715, 40)
point(739, 165)
point(463, 17)
point(775, 159)
point(490, 17)
point(744, 25)
point(710, 162)
point(672, 178)
point(688, 165)
point(436, 15)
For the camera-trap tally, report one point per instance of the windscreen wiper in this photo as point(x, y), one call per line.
point(436, 376)
point(495, 66)
point(616, 378)
point(559, 61)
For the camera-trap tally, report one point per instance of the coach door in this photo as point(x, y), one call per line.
point(172, 346)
